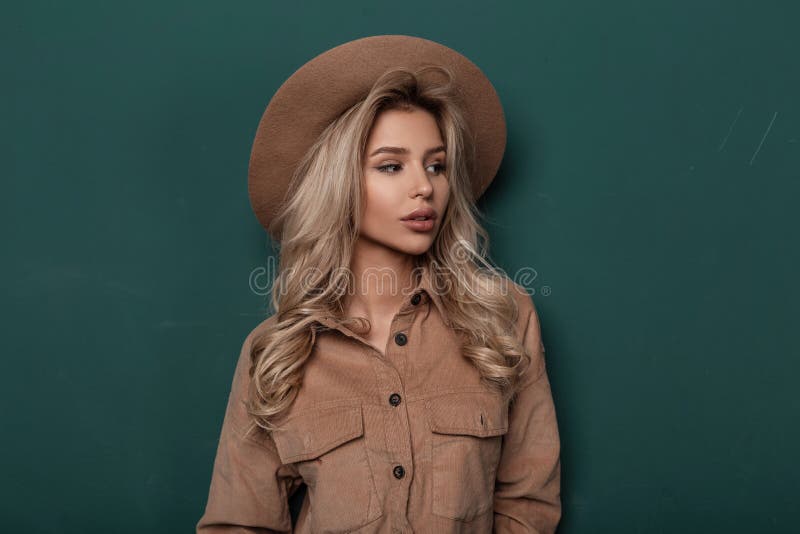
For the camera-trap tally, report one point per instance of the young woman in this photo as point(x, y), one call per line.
point(401, 378)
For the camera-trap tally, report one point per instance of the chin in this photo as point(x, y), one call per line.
point(413, 247)
point(412, 244)
point(416, 251)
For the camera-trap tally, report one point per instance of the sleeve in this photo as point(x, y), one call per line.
point(527, 495)
point(250, 487)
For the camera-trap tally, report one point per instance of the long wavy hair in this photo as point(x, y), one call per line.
point(319, 225)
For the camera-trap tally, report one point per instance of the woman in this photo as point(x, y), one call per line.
point(401, 378)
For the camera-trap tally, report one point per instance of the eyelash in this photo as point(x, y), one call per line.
point(383, 168)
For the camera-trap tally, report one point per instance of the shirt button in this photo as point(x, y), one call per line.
point(398, 471)
point(394, 399)
point(415, 299)
point(400, 338)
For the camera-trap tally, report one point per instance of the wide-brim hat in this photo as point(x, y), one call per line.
point(332, 82)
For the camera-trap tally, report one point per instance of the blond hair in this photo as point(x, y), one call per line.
point(318, 228)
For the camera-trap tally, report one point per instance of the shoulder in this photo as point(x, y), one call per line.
point(258, 330)
point(244, 361)
point(528, 328)
point(526, 309)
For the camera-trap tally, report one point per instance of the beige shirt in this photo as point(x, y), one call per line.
point(406, 442)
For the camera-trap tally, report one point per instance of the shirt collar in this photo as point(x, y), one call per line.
point(425, 287)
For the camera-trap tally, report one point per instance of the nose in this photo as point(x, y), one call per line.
point(422, 183)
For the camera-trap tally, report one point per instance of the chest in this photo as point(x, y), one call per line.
point(379, 334)
point(414, 357)
point(369, 431)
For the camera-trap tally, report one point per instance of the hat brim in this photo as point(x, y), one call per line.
point(330, 83)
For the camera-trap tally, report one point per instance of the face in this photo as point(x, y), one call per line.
point(404, 171)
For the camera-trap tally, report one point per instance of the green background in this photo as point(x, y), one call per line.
point(648, 189)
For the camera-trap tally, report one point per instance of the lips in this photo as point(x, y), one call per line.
point(420, 214)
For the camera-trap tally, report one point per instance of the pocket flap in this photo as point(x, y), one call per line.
point(474, 414)
point(313, 433)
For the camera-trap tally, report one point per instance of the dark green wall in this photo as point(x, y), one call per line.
point(650, 182)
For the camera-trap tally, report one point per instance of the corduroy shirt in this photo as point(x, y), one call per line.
point(400, 442)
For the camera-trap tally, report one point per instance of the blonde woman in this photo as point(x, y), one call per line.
point(401, 381)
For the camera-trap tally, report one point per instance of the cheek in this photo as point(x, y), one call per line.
point(379, 202)
point(443, 194)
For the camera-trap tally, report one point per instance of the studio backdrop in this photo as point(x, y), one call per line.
point(647, 197)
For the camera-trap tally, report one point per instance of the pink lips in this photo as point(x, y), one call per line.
point(419, 226)
point(428, 213)
point(420, 220)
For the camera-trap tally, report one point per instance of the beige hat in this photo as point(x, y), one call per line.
point(329, 84)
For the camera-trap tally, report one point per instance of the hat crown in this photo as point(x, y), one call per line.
point(333, 81)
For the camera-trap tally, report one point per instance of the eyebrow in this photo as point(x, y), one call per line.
point(403, 150)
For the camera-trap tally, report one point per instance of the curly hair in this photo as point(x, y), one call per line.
point(319, 225)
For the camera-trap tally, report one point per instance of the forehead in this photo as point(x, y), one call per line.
point(407, 127)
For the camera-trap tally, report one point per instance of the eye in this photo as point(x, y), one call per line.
point(385, 168)
point(439, 166)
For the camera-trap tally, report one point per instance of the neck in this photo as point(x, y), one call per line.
point(382, 278)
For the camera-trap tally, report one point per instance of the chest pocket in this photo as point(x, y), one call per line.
point(327, 446)
point(466, 439)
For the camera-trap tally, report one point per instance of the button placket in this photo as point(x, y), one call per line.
point(398, 434)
